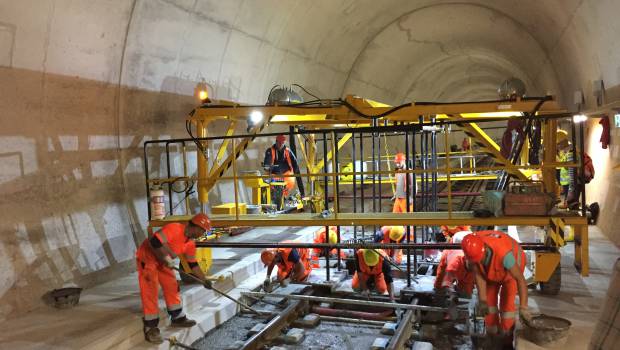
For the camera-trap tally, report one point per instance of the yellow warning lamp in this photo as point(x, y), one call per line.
point(201, 92)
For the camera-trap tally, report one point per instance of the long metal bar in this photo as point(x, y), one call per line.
point(326, 192)
point(243, 305)
point(415, 198)
point(350, 301)
point(582, 170)
point(352, 320)
point(148, 188)
point(403, 331)
point(354, 183)
point(336, 180)
point(169, 174)
point(408, 188)
point(348, 245)
point(362, 181)
point(374, 177)
point(380, 176)
point(275, 325)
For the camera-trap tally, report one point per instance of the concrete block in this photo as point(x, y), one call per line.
point(379, 344)
point(277, 348)
point(422, 345)
point(309, 321)
point(293, 336)
point(236, 345)
point(257, 328)
point(389, 328)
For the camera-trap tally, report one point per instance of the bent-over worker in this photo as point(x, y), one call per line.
point(392, 234)
point(453, 268)
point(155, 263)
point(320, 236)
point(498, 262)
point(372, 272)
point(293, 264)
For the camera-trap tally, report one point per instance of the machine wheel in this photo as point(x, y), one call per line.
point(553, 285)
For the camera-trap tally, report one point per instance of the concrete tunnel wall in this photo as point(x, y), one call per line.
point(84, 83)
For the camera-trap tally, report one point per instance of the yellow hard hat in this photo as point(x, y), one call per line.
point(397, 233)
point(371, 258)
point(333, 237)
point(561, 135)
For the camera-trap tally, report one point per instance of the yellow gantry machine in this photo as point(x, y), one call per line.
point(334, 123)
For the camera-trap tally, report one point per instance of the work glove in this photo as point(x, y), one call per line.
point(267, 285)
point(169, 262)
point(284, 283)
point(208, 284)
point(524, 315)
point(483, 308)
point(366, 294)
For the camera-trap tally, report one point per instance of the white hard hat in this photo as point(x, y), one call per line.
point(458, 237)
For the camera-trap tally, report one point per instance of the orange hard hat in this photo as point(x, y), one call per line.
point(267, 256)
point(473, 247)
point(400, 157)
point(280, 138)
point(201, 220)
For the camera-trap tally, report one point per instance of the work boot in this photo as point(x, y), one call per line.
point(151, 335)
point(182, 322)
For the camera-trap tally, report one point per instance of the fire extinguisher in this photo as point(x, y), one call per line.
point(158, 205)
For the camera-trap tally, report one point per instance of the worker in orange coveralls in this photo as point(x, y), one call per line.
point(372, 272)
point(293, 264)
point(392, 234)
point(155, 263)
point(321, 237)
point(498, 262)
point(400, 193)
point(453, 268)
point(449, 231)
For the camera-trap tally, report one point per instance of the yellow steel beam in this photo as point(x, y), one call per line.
point(343, 115)
point(439, 178)
point(483, 140)
point(319, 165)
point(379, 219)
point(224, 145)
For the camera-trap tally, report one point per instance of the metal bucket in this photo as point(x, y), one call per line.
point(547, 330)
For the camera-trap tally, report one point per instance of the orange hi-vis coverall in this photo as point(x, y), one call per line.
point(377, 273)
point(452, 267)
point(400, 193)
point(285, 265)
point(152, 273)
point(501, 248)
point(321, 236)
point(396, 254)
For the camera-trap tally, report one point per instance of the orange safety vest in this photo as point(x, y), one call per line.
point(286, 265)
point(287, 156)
point(369, 270)
point(500, 245)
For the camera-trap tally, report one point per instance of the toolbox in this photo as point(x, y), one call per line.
point(526, 198)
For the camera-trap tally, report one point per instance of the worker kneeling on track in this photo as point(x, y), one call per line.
point(332, 237)
point(453, 268)
point(498, 262)
point(155, 263)
point(392, 234)
point(293, 264)
point(372, 272)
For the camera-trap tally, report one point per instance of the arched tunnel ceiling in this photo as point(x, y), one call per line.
point(391, 50)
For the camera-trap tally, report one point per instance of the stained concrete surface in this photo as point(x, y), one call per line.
point(109, 315)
